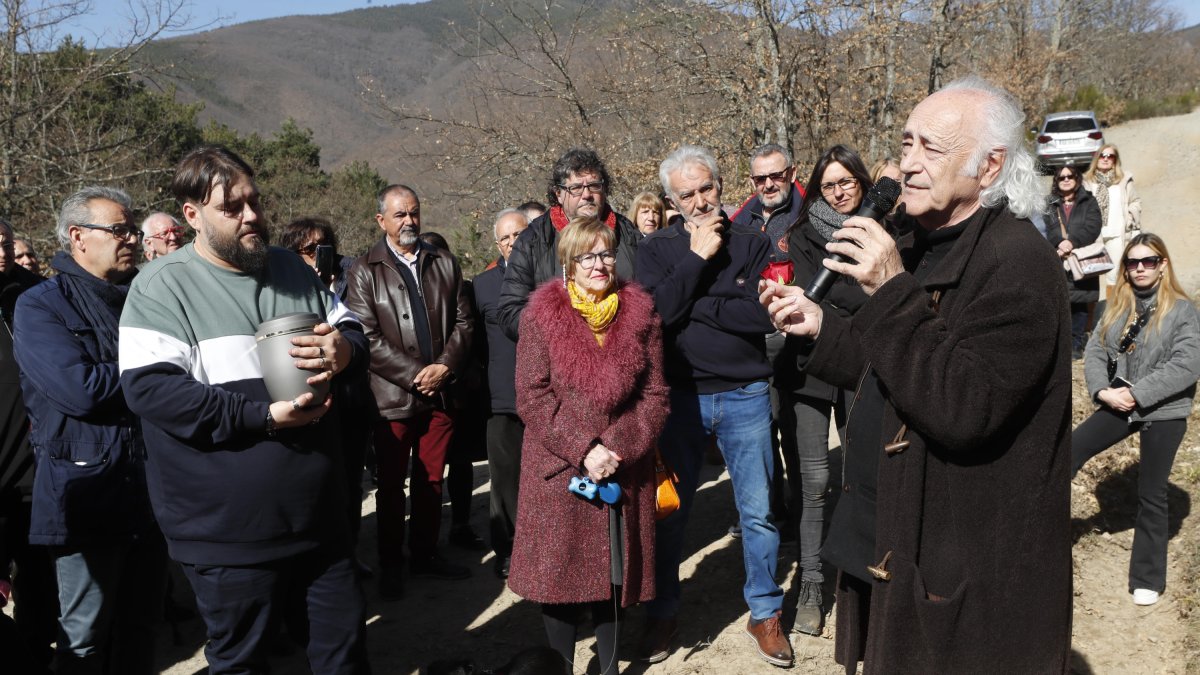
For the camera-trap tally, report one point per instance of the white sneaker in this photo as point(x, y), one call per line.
point(1144, 596)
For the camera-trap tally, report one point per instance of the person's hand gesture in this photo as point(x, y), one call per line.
point(790, 311)
point(867, 243)
point(601, 463)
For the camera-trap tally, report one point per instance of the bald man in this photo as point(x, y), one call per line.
point(161, 234)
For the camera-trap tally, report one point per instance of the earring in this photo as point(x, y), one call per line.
point(564, 276)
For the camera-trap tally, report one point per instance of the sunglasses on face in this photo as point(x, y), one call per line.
point(1108, 155)
point(776, 177)
point(1149, 262)
point(311, 249)
point(1065, 178)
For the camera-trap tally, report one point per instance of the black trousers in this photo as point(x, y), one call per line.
point(35, 590)
point(315, 592)
point(562, 629)
point(1160, 440)
point(505, 434)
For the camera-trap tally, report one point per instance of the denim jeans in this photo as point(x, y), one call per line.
point(741, 421)
point(111, 598)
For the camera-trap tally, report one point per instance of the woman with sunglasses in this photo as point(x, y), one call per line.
point(1142, 364)
point(1074, 221)
point(1120, 206)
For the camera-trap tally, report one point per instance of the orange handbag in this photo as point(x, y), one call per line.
point(667, 501)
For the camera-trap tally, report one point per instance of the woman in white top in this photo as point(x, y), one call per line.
point(1120, 206)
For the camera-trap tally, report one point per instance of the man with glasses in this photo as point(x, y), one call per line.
point(161, 234)
point(505, 432)
point(416, 311)
point(90, 501)
point(248, 490)
point(579, 186)
point(702, 271)
point(773, 210)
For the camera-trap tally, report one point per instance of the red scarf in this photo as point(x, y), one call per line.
point(560, 220)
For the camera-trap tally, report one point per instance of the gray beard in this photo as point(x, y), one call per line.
point(407, 238)
point(775, 202)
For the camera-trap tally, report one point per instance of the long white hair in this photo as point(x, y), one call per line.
point(1002, 127)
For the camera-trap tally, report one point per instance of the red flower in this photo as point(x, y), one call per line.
point(779, 272)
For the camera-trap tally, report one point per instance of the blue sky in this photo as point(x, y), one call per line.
point(109, 18)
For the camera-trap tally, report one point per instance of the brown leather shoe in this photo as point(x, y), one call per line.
point(656, 640)
point(772, 642)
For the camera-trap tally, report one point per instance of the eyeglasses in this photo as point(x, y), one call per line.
point(169, 232)
point(846, 184)
point(117, 231)
point(510, 237)
point(1149, 262)
point(588, 260)
point(1108, 155)
point(578, 188)
point(1068, 177)
point(776, 177)
point(310, 249)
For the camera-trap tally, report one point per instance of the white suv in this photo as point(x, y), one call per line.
point(1069, 138)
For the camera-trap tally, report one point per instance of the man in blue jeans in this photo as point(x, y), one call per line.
point(702, 272)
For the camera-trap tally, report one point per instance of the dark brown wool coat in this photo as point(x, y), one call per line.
point(570, 391)
point(976, 511)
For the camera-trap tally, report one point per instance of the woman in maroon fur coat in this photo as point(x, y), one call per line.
point(590, 390)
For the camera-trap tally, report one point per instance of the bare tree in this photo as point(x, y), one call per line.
point(63, 118)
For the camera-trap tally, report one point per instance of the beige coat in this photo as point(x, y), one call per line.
point(1124, 220)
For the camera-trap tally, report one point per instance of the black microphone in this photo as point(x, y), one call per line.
point(879, 201)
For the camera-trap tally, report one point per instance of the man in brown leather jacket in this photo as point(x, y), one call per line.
point(416, 315)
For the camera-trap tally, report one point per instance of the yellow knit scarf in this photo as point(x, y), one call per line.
point(597, 314)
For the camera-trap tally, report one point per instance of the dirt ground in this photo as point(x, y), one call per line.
point(480, 619)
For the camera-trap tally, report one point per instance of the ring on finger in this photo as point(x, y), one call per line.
point(295, 404)
point(322, 363)
point(321, 352)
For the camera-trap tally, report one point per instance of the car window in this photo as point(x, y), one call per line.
point(1070, 124)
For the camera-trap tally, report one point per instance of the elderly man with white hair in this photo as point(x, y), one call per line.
point(958, 451)
point(701, 270)
point(505, 431)
point(161, 234)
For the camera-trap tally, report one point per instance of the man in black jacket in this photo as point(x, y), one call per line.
point(702, 271)
point(961, 361)
point(505, 432)
point(37, 614)
point(579, 186)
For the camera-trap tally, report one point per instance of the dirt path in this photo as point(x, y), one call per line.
point(482, 620)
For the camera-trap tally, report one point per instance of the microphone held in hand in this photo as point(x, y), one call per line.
point(879, 201)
